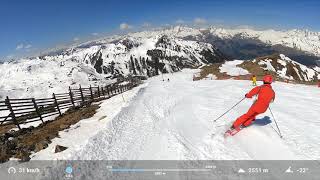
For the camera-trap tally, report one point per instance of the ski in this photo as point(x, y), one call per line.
point(232, 132)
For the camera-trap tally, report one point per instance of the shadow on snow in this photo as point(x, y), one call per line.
point(262, 122)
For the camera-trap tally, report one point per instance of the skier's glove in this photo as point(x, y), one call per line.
point(247, 96)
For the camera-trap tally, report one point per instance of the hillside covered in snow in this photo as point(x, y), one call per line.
point(39, 78)
point(280, 66)
point(283, 67)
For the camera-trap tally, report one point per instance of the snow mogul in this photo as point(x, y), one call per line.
point(265, 94)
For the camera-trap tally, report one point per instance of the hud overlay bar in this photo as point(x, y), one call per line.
point(162, 169)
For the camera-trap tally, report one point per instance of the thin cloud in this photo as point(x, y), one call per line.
point(125, 26)
point(28, 46)
point(146, 24)
point(23, 46)
point(245, 27)
point(19, 46)
point(10, 56)
point(94, 34)
point(199, 21)
point(76, 39)
point(180, 21)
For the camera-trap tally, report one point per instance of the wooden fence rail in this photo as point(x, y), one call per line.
point(27, 110)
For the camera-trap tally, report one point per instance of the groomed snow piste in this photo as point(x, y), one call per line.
point(173, 120)
point(231, 68)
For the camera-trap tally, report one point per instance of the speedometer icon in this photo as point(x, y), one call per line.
point(12, 170)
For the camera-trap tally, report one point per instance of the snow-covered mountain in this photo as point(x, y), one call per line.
point(143, 55)
point(299, 39)
point(237, 43)
point(96, 62)
point(246, 43)
point(304, 40)
point(150, 53)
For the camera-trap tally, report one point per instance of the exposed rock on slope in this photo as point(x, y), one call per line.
point(280, 66)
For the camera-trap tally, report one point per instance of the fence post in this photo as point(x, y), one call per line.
point(91, 92)
point(82, 98)
point(56, 103)
point(7, 101)
point(99, 91)
point(71, 98)
point(102, 90)
point(37, 109)
point(108, 91)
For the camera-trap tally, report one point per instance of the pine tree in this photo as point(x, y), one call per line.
point(130, 64)
point(133, 67)
point(112, 67)
point(137, 65)
point(157, 65)
point(144, 66)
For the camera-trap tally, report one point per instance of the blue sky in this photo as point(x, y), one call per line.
point(28, 26)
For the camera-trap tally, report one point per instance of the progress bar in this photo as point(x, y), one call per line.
point(157, 170)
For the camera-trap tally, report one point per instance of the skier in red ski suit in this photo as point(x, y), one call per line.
point(265, 95)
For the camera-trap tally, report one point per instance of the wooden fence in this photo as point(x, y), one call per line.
point(23, 111)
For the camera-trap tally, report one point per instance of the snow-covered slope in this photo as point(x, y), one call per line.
point(174, 120)
point(39, 78)
point(232, 68)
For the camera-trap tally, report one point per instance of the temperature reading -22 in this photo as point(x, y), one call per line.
point(302, 170)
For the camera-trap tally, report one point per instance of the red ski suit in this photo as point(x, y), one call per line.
point(265, 96)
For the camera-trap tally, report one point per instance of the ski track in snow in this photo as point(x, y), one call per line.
point(174, 121)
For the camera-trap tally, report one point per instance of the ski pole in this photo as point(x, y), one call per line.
point(275, 122)
point(229, 109)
